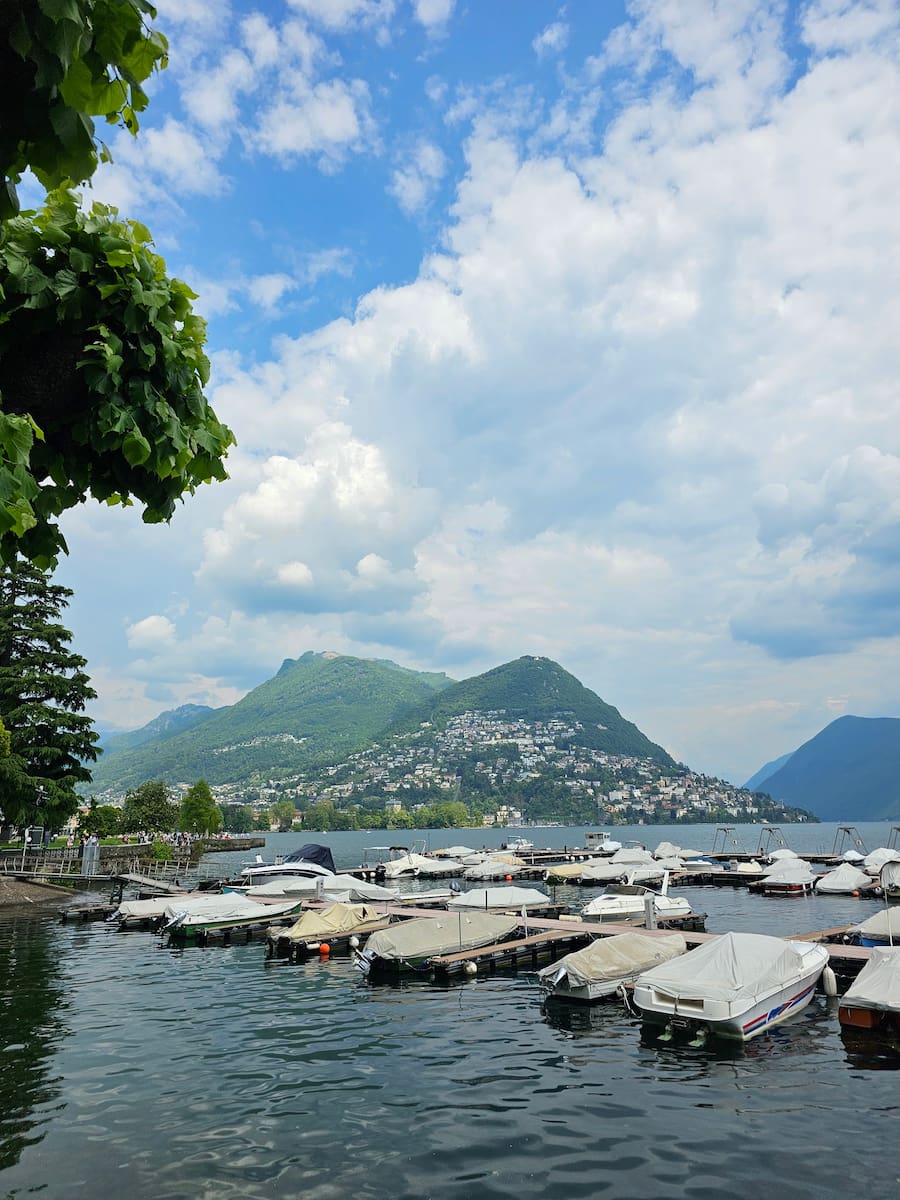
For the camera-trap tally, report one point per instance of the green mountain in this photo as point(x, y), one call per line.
point(536, 689)
point(318, 708)
point(848, 772)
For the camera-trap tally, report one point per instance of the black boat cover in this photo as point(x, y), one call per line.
point(321, 855)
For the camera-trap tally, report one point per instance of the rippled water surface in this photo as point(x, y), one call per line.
point(133, 1069)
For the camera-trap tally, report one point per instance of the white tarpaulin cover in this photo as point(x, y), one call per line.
point(616, 958)
point(875, 861)
point(782, 853)
point(453, 852)
point(791, 876)
point(732, 966)
point(603, 872)
point(667, 850)
point(327, 922)
point(407, 864)
point(230, 906)
point(143, 910)
point(890, 877)
point(500, 897)
point(425, 937)
point(785, 865)
point(491, 870)
point(885, 923)
point(843, 880)
point(632, 855)
point(878, 983)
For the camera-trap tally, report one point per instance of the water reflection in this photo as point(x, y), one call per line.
point(871, 1049)
point(31, 1004)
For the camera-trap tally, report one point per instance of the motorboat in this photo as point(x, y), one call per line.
point(890, 880)
point(502, 899)
point(345, 888)
point(492, 870)
point(873, 999)
point(735, 986)
point(627, 902)
point(192, 917)
point(875, 860)
point(411, 945)
point(793, 879)
point(326, 926)
point(845, 880)
point(568, 872)
point(517, 844)
point(603, 967)
point(603, 872)
point(408, 865)
point(883, 928)
point(310, 861)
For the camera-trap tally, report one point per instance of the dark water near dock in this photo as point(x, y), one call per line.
point(133, 1069)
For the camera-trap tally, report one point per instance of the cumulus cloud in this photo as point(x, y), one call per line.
point(552, 39)
point(151, 632)
point(414, 182)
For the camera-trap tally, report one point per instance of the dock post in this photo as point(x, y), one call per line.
point(649, 912)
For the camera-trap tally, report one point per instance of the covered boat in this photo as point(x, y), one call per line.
point(133, 913)
point(188, 917)
point(411, 945)
point(408, 865)
point(843, 880)
point(337, 887)
point(336, 923)
point(890, 880)
point(603, 872)
point(501, 899)
point(881, 929)
point(492, 870)
point(875, 860)
point(873, 999)
point(793, 878)
point(736, 986)
point(601, 968)
point(563, 871)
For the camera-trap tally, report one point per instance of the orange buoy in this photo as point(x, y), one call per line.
point(324, 948)
point(509, 878)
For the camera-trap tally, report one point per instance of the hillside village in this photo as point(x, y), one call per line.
point(506, 770)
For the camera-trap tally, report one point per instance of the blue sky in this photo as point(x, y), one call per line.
point(563, 330)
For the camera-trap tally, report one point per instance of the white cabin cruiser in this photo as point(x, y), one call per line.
point(311, 861)
point(627, 902)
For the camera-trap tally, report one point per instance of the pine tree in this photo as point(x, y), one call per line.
point(43, 692)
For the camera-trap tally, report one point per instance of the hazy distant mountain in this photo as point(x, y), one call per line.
point(316, 708)
point(755, 782)
point(536, 689)
point(167, 724)
point(848, 772)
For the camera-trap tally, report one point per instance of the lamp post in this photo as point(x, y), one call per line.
point(40, 795)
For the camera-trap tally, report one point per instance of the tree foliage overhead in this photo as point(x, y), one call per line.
point(101, 358)
point(102, 372)
point(62, 63)
point(43, 692)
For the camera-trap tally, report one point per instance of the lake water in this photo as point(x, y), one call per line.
point(134, 1069)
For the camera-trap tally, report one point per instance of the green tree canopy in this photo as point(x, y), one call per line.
point(149, 807)
point(199, 811)
point(237, 818)
point(101, 357)
point(102, 819)
point(62, 63)
point(102, 372)
point(283, 812)
point(43, 692)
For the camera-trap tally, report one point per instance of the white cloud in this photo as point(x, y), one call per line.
point(151, 633)
point(414, 183)
point(553, 39)
point(328, 119)
point(268, 290)
point(433, 14)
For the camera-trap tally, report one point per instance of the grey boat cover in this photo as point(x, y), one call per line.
point(336, 919)
point(666, 850)
point(143, 910)
point(491, 870)
point(632, 854)
point(885, 923)
point(603, 872)
point(878, 983)
point(732, 966)
point(843, 880)
point(782, 866)
point(424, 937)
point(571, 870)
point(616, 958)
point(875, 861)
point(890, 877)
point(500, 897)
point(792, 875)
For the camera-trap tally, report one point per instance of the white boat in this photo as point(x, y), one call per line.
point(310, 861)
point(603, 872)
point(517, 844)
point(735, 986)
point(565, 871)
point(627, 902)
point(408, 865)
point(603, 967)
point(411, 945)
point(890, 880)
point(492, 870)
point(873, 999)
point(844, 880)
point(883, 928)
point(790, 880)
point(501, 899)
point(188, 917)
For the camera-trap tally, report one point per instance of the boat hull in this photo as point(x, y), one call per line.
point(741, 1025)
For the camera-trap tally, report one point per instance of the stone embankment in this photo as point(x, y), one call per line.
point(19, 892)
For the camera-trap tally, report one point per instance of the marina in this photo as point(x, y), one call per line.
point(131, 1032)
